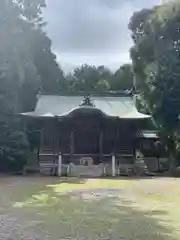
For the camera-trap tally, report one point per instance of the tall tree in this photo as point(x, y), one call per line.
point(52, 79)
point(156, 61)
point(23, 46)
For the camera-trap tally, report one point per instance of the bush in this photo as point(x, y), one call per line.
point(13, 148)
point(176, 172)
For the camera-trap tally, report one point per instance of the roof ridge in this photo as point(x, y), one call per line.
point(104, 94)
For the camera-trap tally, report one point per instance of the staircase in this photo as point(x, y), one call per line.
point(140, 167)
point(48, 163)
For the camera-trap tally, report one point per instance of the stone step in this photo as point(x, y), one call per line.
point(141, 167)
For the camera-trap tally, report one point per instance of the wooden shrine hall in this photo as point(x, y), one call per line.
point(88, 135)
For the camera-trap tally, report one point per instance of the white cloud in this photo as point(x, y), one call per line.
point(69, 61)
point(92, 31)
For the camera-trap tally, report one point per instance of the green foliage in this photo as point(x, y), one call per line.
point(13, 144)
point(89, 79)
point(19, 77)
point(123, 78)
point(156, 61)
point(52, 79)
point(94, 79)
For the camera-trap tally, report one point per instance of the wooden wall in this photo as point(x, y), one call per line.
point(88, 134)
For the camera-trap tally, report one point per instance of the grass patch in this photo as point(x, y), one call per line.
point(74, 183)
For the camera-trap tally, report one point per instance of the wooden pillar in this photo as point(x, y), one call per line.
point(55, 140)
point(42, 139)
point(58, 136)
point(54, 146)
point(116, 137)
point(71, 144)
point(39, 145)
point(101, 145)
point(58, 157)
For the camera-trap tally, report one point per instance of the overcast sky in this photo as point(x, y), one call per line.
point(91, 31)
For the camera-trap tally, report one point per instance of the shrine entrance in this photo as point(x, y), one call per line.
point(86, 141)
point(86, 138)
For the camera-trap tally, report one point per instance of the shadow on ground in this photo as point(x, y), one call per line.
point(95, 214)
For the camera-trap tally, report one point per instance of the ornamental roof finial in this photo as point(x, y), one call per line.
point(87, 101)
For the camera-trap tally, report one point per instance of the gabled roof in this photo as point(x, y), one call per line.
point(110, 106)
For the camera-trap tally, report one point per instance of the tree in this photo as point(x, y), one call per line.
point(156, 61)
point(123, 78)
point(52, 79)
point(22, 47)
point(100, 79)
point(90, 79)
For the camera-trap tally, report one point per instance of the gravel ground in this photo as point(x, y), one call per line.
point(15, 224)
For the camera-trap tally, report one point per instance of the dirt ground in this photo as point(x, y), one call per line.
point(52, 208)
